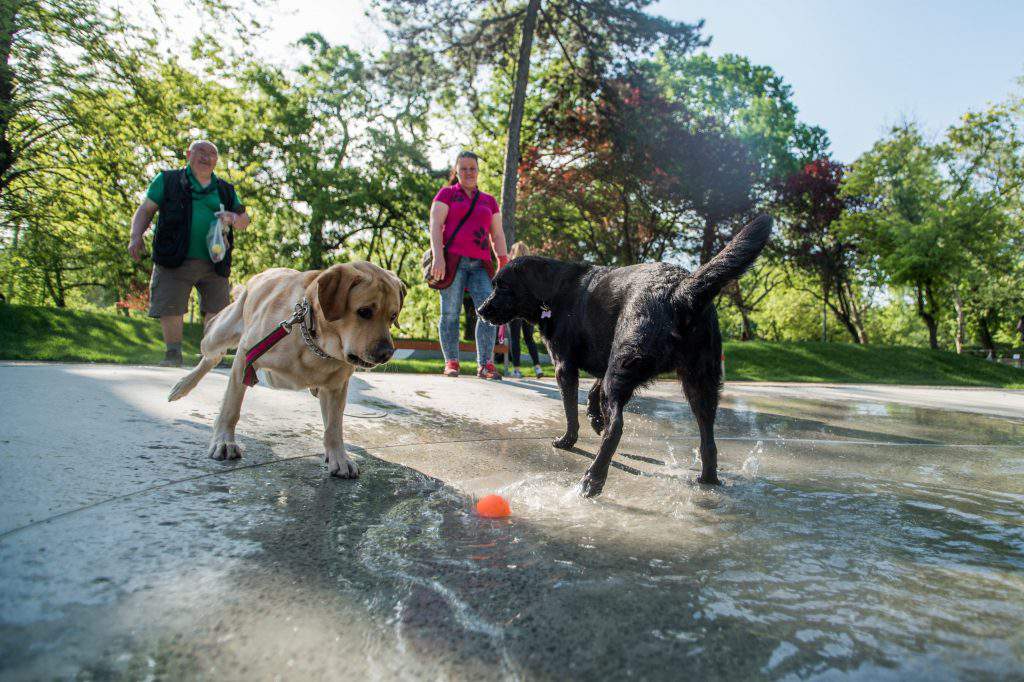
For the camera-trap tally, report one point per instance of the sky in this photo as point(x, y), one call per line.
point(857, 67)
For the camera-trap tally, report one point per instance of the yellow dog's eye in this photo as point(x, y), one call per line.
point(365, 313)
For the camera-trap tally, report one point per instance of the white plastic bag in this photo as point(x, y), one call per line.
point(215, 239)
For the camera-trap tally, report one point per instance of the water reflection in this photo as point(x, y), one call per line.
point(847, 540)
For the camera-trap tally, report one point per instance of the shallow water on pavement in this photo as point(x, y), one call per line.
point(861, 540)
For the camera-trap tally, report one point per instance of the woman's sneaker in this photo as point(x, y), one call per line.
point(488, 372)
point(538, 371)
point(451, 368)
point(516, 373)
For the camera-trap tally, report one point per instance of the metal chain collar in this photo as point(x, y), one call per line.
point(303, 310)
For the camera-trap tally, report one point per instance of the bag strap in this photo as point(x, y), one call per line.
point(462, 222)
point(224, 194)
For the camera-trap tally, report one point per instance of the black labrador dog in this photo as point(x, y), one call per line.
point(627, 325)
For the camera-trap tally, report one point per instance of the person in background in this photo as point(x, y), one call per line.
point(188, 200)
point(517, 327)
point(472, 244)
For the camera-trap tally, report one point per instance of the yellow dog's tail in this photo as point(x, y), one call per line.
point(223, 331)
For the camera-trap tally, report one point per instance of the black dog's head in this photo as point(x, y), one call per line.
point(521, 289)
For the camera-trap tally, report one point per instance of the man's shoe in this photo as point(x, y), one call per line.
point(172, 358)
point(489, 372)
point(538, 371)
point(451, 368)
point(516, 373)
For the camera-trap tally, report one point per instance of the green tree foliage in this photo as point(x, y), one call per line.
point(329, 164)
point(900, 225)
point(752, 106)
point(54, 57)
point(633, 149)
point(984, 155)
point(937, 218)
point(745, 100)
point(455, 43)
point(333, 157)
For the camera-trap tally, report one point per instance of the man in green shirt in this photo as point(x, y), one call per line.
point(188, 201)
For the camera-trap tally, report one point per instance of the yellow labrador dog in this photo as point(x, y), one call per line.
point(340, 319)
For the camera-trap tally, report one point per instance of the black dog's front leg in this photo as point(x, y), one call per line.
point(568, 383)
point(594, 409)
point(593, 481)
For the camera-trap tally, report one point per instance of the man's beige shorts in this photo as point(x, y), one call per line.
point(169, 288)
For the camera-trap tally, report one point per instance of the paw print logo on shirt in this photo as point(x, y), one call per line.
point(480, 236)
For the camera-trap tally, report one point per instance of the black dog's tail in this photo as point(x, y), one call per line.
point(731, 262)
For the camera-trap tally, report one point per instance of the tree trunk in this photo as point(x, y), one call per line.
point(56, 293)
point(844, 312)
point(515, 123)
point(8, 20)
point(707, 244)
point(848, 323)
point(61, 289)
point(929, 319)
point(316, 242)
point(985, 331)
point(736, 294)
point(958, 304)
point(747, 333)
point(856, 312)
point(824, 314)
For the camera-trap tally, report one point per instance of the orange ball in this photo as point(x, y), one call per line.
point(493, 507)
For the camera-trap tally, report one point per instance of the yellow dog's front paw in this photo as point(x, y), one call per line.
point(341, 466)
point(221, 449)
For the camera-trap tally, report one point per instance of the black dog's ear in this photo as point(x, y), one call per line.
point(535, 273)
point(538, 275)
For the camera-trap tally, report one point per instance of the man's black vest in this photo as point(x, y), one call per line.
point(174, 224)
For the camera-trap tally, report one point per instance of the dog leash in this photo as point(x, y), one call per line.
point(302, 309)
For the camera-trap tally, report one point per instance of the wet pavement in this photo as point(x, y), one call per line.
point(861, 532)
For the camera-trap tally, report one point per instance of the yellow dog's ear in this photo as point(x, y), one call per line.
point(333, 286)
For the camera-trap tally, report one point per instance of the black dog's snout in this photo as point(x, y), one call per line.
point(486, 308)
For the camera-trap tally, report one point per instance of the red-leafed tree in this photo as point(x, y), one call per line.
point(629, 176)
point(810, 205)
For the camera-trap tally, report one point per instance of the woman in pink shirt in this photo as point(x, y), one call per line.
point(472, 243)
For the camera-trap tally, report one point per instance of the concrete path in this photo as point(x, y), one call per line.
point(862, 531)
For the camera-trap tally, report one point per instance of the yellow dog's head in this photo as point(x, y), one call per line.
point(355, 305)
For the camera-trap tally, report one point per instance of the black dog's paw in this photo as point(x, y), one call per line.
point(565, 442)
point(590, 485)
point(709, 480)
point(596, 421)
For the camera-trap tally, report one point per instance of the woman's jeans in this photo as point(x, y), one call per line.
point(470, 275)
point(514, 328)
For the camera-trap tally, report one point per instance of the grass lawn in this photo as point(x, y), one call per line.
point(31, 333)
point(851, 363)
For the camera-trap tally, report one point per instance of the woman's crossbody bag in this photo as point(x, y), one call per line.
point(451, 260)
